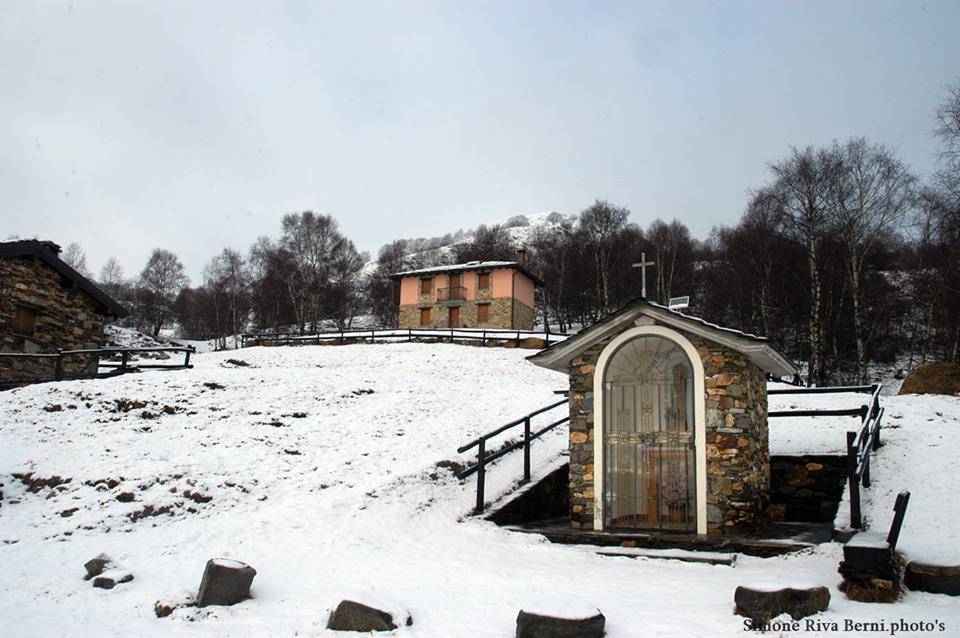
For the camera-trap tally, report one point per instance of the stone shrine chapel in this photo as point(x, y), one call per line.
point(668, 422)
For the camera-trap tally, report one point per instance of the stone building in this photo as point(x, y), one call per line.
point(477, 294)
point(46, 306)
point(668, 422)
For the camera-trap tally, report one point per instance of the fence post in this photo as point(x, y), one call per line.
point(853, 482)
point(58, 368)
point(481, 473)
point(186, 359)
point(866, 471)
point(124, 357)
point(900, 510)
point(483, 340)
point(526, 449)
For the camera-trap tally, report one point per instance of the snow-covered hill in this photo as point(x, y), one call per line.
point(318, 466)
point(520, 228)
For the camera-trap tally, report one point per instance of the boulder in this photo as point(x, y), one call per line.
point(104, 582)
point(95, 566)
point(933, 378)
point(531, 625)
point(761, 605)
point(225, 582)
point(936, 579)
point(353, 616)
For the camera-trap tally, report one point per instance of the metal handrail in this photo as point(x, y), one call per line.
point(483, 459)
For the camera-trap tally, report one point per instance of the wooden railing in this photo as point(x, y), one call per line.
point(859, 445)
point(484, 458)
point(396, 335)
point(125, 364)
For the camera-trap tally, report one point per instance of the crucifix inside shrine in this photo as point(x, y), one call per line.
point(643, 273)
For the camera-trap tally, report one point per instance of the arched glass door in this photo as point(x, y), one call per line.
point(649, 437)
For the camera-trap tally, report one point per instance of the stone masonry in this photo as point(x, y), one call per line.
point(504, 313)
point(737, 454)
point(67, 318)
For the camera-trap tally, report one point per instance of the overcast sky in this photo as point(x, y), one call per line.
point(196, 125)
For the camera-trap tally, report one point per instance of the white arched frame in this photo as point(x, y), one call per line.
point(699, 415)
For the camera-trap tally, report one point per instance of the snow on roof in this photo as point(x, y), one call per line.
point(757, 349)
point(470, 265)
point(707, 324)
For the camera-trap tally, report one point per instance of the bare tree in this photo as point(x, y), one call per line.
point(76, 258)
point(344, 298)
point(160, 282)
point(111, 278)
point(871, 194)
point(802, 189)
point(948, 132)
point(672, 252)
point(600, 223)
point(311, 241)
point(228, 282)
point(382, 292)
point(489, 243)
point(550, 258)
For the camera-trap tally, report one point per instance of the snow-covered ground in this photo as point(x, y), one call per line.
point(320, 466)
point(919, 433)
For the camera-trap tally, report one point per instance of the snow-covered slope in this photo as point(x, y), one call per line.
point(919, 455)
point(520, 228)
point(318, 466)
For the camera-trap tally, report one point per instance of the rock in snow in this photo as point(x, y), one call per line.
point(95, 566)
point(936, 579)
point(761, 605)
point(530, 625)
point(225, 582)
point(353, 616)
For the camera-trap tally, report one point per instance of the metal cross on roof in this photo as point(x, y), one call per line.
point(643, 273)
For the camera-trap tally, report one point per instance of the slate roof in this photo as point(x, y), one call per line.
point(47, 252)
point(757, 349)
point(470, 265)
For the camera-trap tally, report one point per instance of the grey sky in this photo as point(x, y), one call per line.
point(197, 125)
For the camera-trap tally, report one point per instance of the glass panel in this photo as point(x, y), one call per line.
point(649, 436)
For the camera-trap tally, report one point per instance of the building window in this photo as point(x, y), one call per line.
point(25, 321)
point(483, 312)
point(424, 316)
point(426, 286)
point(483, 281)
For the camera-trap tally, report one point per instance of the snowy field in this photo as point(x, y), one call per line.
point(318, 466)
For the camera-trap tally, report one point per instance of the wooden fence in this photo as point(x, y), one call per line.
point(398, 335)
point(859, 445)
point(122, 365)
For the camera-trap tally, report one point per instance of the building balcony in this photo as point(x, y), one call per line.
point(452, 295)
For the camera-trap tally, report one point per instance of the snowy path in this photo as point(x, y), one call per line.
point(320, 462)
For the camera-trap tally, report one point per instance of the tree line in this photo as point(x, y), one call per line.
point(843, 257)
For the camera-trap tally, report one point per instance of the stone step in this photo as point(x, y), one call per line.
point(936, 579)
point(707, 558)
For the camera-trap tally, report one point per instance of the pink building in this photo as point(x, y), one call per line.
point(477, 294)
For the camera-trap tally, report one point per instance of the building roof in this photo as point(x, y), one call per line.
point(470, 265)
point(47, 251)
point(757, 349)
